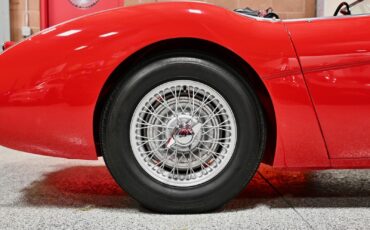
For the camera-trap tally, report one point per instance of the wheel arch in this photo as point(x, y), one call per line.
point(205, 47)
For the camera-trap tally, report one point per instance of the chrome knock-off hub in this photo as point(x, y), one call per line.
point(180, 132)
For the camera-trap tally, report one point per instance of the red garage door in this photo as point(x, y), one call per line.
point(57, 11)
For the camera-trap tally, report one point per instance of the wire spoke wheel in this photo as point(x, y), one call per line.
point(183, 133)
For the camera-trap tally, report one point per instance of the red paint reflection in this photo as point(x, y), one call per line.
point(261, 185)
point(84, 180)
point(94, 186)
point(82, 186)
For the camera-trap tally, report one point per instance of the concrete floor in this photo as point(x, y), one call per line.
point(44, 193)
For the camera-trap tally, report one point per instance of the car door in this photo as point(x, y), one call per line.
point(335, 57)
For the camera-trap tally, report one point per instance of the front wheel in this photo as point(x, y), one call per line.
point(183, 134)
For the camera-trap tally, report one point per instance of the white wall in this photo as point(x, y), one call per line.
point(327, 7)
point(4, 22)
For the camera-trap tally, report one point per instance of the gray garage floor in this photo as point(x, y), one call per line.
point(43, 193)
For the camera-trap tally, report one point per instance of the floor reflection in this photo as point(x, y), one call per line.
point(93, 186)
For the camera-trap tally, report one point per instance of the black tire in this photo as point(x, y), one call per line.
point(160, 197)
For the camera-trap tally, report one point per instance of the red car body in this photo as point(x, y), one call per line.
point(316, 73)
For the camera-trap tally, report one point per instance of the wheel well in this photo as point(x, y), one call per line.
point(204, 47)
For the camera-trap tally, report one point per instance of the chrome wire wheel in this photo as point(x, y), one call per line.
point(183, 133)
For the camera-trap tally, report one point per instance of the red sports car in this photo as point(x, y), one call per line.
point(184, 100)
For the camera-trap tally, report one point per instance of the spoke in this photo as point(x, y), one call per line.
point(213, 154)
point(223, 145)
point(214, 115)
point(213, 111)
point(159, 131)
point(209, 150)
point(203, 104)
point(149, 126)
point(152, 152)
point(216, 139)
point(194, 94)
point(202, 162)
point(222, 123)
point(174, 167)
point(164, 160)
point(226, 130)
point(144, 122)
point(189, 169)
point(146, 142)
point(174, 95)
point(150, 138)
point(213, 126)
point(179, 99)
point(188, 99)
point(164, 103)
point(156, 115)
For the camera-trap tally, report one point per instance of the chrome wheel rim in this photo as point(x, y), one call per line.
point(183, 133)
